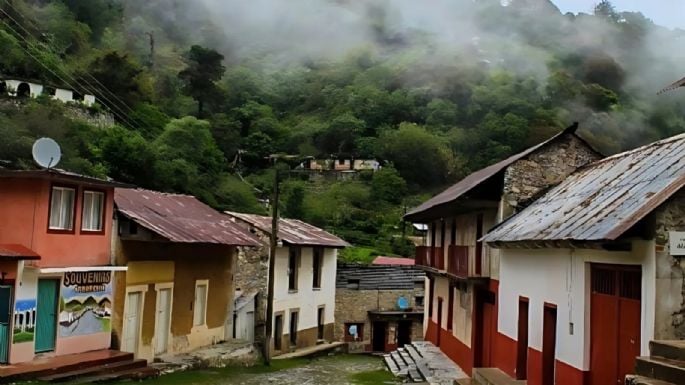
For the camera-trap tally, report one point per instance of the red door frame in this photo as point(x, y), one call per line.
point(549, 342)
point(483, 330)
point(522, 340)
point(439, 328)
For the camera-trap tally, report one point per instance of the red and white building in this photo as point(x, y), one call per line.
point(591, 272)
point(463, 273)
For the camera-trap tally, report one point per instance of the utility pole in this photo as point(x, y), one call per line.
point(151, 35)
point(272, 263)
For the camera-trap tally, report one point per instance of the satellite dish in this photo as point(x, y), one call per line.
point(402, 303)
point(46, 152)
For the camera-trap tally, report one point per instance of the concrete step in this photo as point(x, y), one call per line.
point(95, 370)
point(137, 374)
point(399, 359)
point(661, 369)
point(632, 379)
point(415, 347)
point(466, 381)
point(673, 350)
point(390, 363)
point(494, 376)
point(415, 376)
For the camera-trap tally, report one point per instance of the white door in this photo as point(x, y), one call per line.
point(248, 332)
point(132, 322)
point(162, 320)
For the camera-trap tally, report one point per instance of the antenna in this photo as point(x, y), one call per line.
point(46, 152)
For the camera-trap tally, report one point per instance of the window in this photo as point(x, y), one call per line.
point(62, 208)
point(354, 332)
point(418, 301)
point(320, 316)
point(317, 265)
point(341, 161)
point(93, 211)
point(200, 308)
point(450, 307)
point(293, 265)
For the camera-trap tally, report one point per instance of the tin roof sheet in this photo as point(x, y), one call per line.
point(15, 251)
point(180, 218)
point(57, 174)
point(379, 277)
point(602, 200)
point(292, 231)
point(478, 177)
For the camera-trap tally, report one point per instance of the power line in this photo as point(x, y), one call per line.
point(37, 28)
point(121, 114)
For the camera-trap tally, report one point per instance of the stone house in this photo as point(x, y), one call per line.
point(591, 274)
point(177, 293)
point(55, 264)
point(304, 281)
point(378, 308)
point(463, 273)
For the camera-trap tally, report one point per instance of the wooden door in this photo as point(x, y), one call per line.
point(485, 326)
point(132, 321)
point(5, 318)
point(549, 343)
point(614, 322)
point(380, 332)
point(320, 323)
point(278, 332)
point(46, 315)
point(522, 341)
point(403, 333)
point(162, 320)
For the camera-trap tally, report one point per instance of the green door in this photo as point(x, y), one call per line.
point(46, 315)
point(5, 317)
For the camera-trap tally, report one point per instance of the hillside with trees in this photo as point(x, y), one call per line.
point(204, 92)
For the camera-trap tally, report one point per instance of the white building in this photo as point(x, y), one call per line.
point(23, 88)
point(304, 280)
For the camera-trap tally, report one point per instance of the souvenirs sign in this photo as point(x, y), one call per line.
point(87, 281)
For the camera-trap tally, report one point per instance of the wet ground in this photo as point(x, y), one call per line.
point(331, 370)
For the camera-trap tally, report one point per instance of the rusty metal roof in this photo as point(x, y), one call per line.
point(15, 251)
point(60, 175)
point(394, 261)
point(292, 231)
point(180, 218)
point(673, 86)
point(479, 177)
point(602, 200)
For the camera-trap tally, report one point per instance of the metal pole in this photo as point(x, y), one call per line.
point(272, 263)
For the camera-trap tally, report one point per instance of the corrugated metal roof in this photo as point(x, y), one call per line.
point(180, 218)
point(381, 260)
point(15, 251)
point(602, 200)
point(378, 277)
point(478, 177)
point(292, 231)
point(673, 86)
point(57, 174)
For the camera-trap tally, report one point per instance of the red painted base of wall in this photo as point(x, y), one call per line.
point(565, 373)
point(456, 350)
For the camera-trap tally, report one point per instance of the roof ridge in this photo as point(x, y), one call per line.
point(622, 154)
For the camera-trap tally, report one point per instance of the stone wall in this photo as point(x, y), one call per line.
point(251, 275)
point(669, 322)
point(352, 306)
point(551, 164)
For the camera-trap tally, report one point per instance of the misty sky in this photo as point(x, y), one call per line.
point(668, 13)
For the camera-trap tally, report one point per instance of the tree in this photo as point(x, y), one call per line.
point(204, 69)
point(128, 156)
point(387, 185)
point(120, 75)
point(606, 10)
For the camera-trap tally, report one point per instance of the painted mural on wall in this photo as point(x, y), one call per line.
point(25, 308)
point(86, 303)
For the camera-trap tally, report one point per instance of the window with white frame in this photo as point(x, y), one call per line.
point(62, 208)
point(200, 308)
point(93, 206)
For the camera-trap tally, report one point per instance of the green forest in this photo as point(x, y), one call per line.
point(206, 95)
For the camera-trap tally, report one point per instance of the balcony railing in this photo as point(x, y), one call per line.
point(458, 261)
point(466, 262)
point(428, 256)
